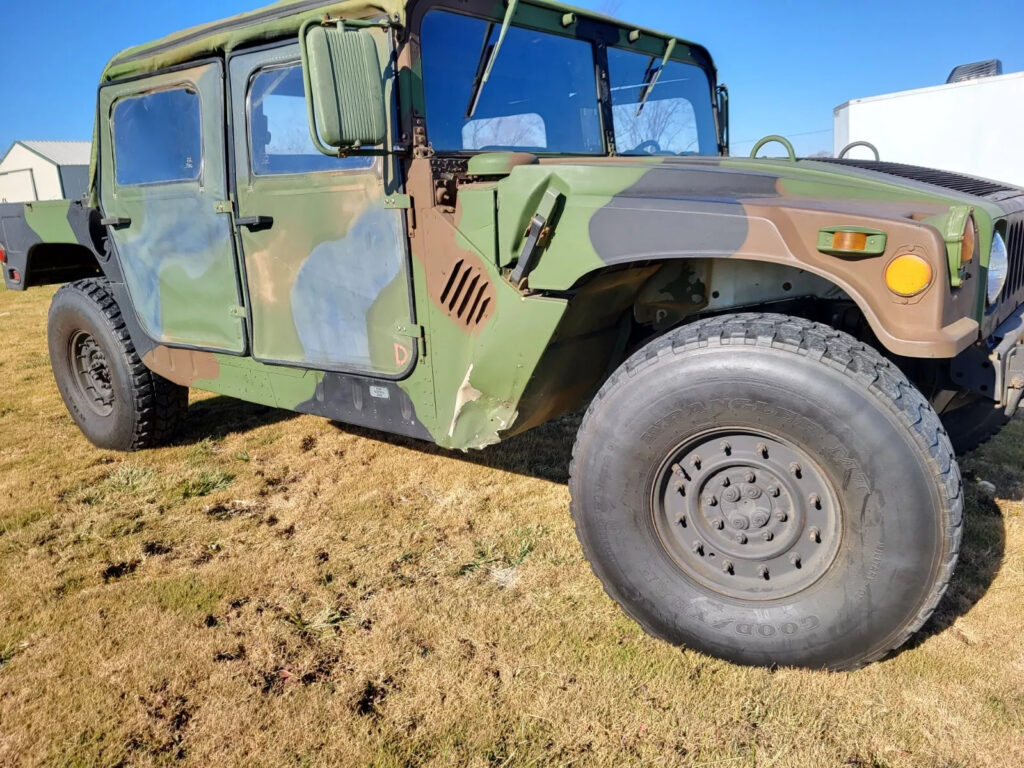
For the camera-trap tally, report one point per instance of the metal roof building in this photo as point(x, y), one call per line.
point(44, 170)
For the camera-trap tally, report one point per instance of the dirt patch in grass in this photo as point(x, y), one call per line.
point(278, 590)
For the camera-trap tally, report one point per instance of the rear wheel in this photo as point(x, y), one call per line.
point(770, 491)
point(117, 402)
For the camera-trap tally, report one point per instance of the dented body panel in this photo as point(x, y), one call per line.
point(462, 297)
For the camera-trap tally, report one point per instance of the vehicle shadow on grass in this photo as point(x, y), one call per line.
point(981, 556)
point(543, 453)
point(218, 417)
point(1001, 462)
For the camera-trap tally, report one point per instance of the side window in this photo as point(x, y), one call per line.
point(158, 138)
point(279, 138)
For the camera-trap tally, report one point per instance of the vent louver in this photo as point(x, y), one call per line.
point(957, 182)
point(468, 296)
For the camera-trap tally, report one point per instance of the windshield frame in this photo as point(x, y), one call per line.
point(601, 33)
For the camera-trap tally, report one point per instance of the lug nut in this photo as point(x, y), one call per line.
point(796, 469)
point(711, 501)
point(741, 538)
point(695, 461)
point(750, 477)
point(763, 450)
point(726, 448)
point(781, 517)
point(718, 523)
point(676, 469)
point(682, 521)
point(763, 572)
point(727, 566)
point(815, 535)
point(794, 559)
point(774, 491)
point(815, 500)
point(698, 548)
point(767, 535)
point(725, 482)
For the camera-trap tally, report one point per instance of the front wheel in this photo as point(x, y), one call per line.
point(770, 491)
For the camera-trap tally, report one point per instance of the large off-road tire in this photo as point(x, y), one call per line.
point(973, 424)
point(770, 491)
point(118, 403)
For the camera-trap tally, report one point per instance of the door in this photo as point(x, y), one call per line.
point(325, 258)
point(163, 180)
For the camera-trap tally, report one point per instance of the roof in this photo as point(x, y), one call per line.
point(61, 152)
point(279, 19)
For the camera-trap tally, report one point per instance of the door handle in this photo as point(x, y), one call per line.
point(255, 223)
point(116, 222)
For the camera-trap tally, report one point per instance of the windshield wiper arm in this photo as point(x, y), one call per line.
point(488, 56)
point(657, 76)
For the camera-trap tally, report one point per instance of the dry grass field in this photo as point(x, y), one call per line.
point(278, 590)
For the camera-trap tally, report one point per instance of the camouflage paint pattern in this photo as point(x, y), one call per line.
point(635, 238)
point(177, 254)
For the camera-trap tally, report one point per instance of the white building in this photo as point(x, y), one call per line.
point(44, 170)
point(973, 126)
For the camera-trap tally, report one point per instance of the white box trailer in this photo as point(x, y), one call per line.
point(975, 126)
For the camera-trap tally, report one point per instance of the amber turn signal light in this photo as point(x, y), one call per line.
point(908, 275)
point(850, 241)
point(969, 242)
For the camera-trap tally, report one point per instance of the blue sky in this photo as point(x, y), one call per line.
point(787, 63)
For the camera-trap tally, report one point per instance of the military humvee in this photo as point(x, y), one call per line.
point(457, 219)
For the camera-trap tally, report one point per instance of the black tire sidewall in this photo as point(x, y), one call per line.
point(73, 311)
point(891, 550)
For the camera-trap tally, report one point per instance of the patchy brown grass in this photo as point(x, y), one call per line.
point(278, 590)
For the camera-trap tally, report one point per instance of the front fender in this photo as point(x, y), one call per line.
point(737, 214)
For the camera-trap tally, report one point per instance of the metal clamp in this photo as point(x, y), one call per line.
point(538, 237)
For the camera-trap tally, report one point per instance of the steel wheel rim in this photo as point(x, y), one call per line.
point(90, 373)
point(746, 515)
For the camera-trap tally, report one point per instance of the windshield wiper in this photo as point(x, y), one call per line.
point(488, 56)
point(656, 76)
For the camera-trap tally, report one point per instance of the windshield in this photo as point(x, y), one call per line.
point(541, 98)
point(677, 117)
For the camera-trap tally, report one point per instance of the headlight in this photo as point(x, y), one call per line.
point(998, 268)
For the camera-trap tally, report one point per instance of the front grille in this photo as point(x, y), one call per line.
point(1015, 247)
point(958, 182)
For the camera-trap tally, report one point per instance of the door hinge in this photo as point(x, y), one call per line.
point(397, 202)
point(413, 331)
point(237, 311)
point(223, 206)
